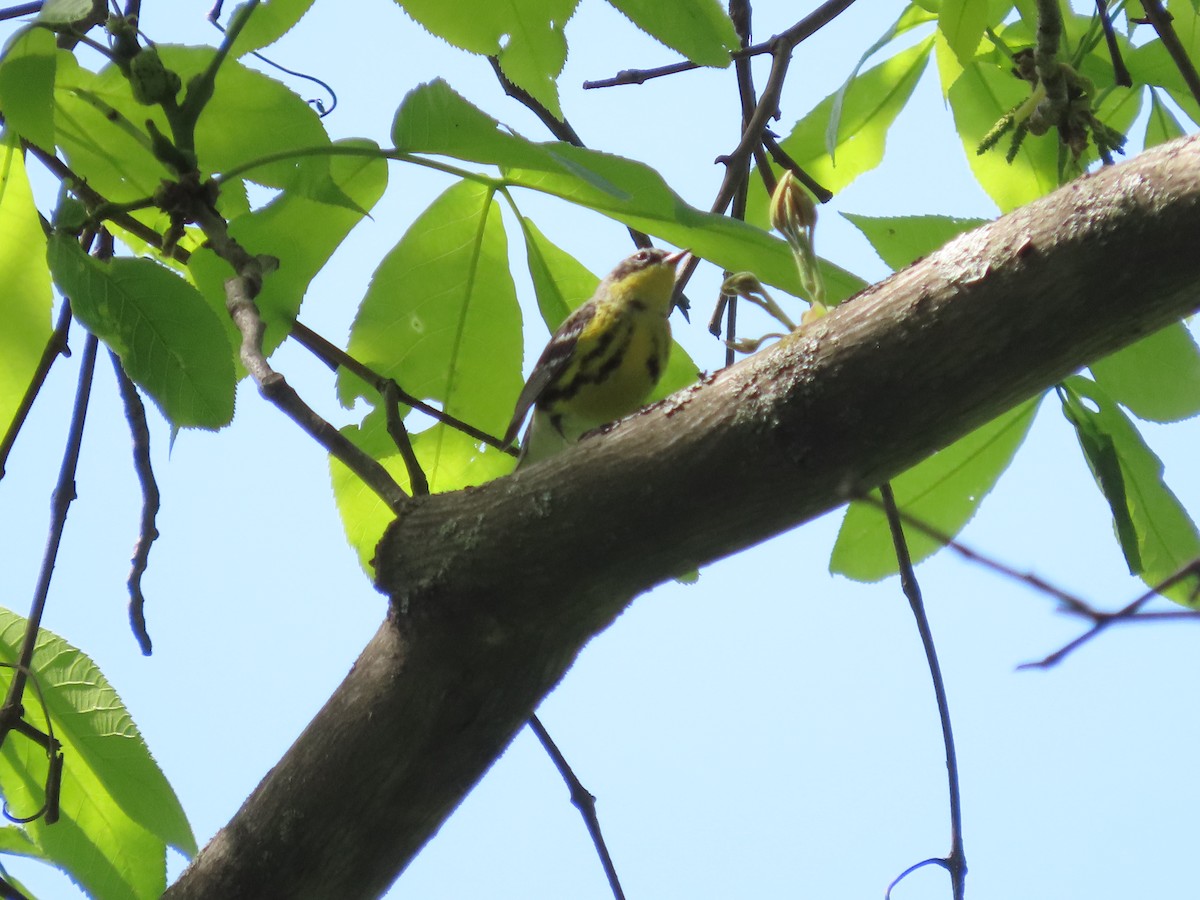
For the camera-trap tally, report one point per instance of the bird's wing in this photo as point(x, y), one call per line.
point(550, 365)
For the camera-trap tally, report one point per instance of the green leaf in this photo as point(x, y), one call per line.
point(912, 16)
point(434, 119)
point(450, 459)
point(900, 240)
point(961, 23)
point(1156, 378)
point(441, 315)
point(867, 107)
point(27, 85)
point(251, 116)
point(980, 96)
point(527, 37)
point(168, 339)
point(699, 29)
point(1151, 64)
point(26, 301)
point(101, 134)
point(1161, 125)
point(272, 19)
point(943, 492)
point(1154, 530)
point(562, 283)
point(118, 812)
point(302, 234)
point(62, 12)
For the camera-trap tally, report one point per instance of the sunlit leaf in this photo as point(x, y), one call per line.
point(900, 240)
point(118, 813)
point(943, 492)
point(27, 85)
point(168, 339)
point(1154, 530)
point(441, 314)
point(699, 29)
point(1156, 378)
point(25, 301)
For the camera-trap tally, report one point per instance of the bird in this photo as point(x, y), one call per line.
point(603, 361)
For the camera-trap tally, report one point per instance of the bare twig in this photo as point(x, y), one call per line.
point(56, 345)
point(240, 292)
point(1121, 74)
point(785, 161)
point(335, 357)
point(807, 27)
point(956, 863)
point(135, 415)
point(418, 483)
point(1127, 613)
point(16, 12)
point(64, 494)
point(1160, 20)
point(583, 800)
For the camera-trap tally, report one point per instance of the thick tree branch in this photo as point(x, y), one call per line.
point(496, 589)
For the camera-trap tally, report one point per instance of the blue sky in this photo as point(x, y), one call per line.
point(768, 732)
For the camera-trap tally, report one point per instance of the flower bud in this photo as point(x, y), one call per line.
point(792, 209)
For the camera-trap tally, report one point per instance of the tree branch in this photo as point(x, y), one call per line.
point(492, 598)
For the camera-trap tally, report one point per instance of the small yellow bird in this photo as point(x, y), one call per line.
point(605, 358)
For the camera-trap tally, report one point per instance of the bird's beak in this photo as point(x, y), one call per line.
point(674, 259)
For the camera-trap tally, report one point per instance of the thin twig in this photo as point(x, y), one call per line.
point(335, 357)
point(1160, 20)
point(240, 292)
point(1121, 75)
point(956, 863)
point(583, 800)
point(15, 12)
point(139, 431)
point(1127, 613)
point(64, 494)
point(810, 25)
point(1071, 603)
point(784, 160)
point(782, 46)
point(417, 482)
point(56, 346)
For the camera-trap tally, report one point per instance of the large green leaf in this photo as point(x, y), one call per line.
point(168, 339)
point(526, 37)
point(942, 492)
point(272, 19)
point(250, 116)
point(1156, 378)
point(864, 110)
point(900, 240)
point(699, 29)
point(434, 119)
point(912, 16)
point(441, 315)
point(25, 300)
point(118, 813)
point(27, 85)
point(961, 23)
point(1156, 533)
point(102, 143)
